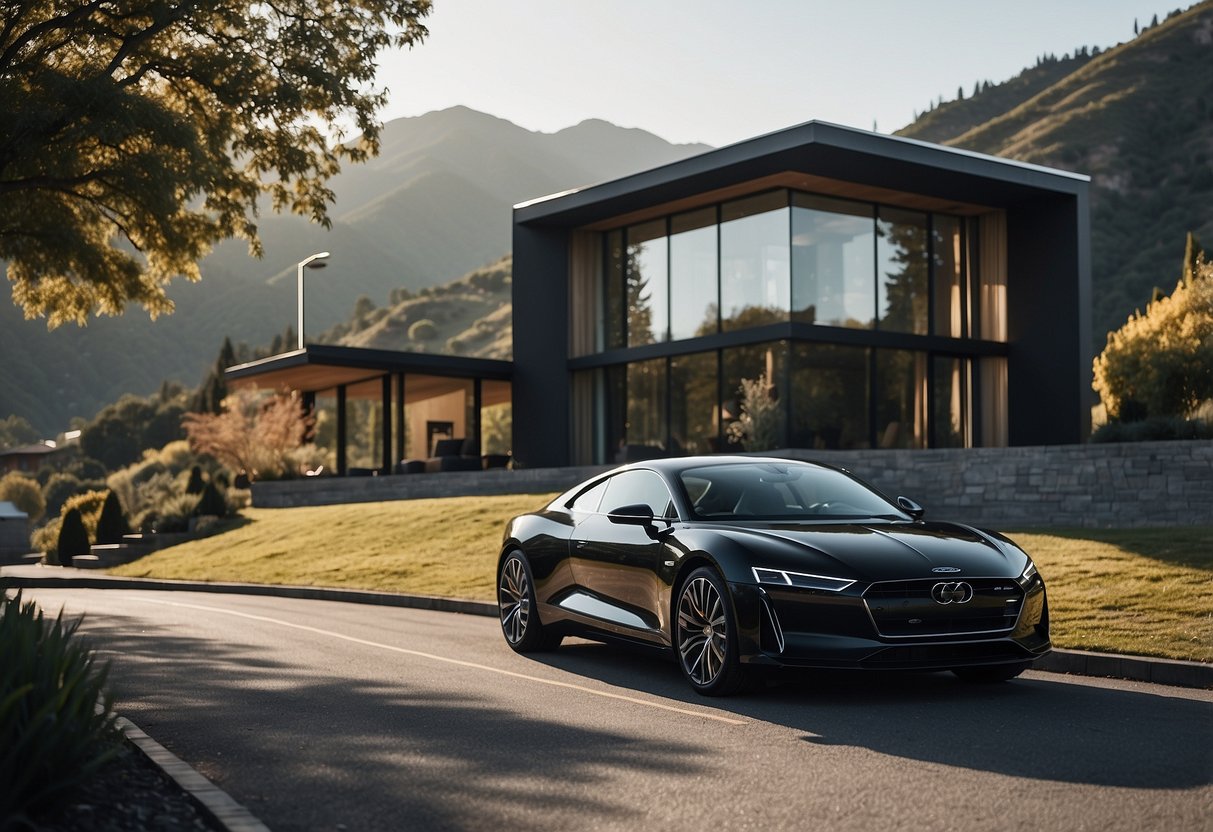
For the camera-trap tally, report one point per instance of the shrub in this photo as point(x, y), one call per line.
point(58, 489)
point(53, 736)
point(112, 525)
point(73, 538)
point(1160, 364)
point(24, 493)
point(1150, 430)
point(211, 503)
point(173, 515)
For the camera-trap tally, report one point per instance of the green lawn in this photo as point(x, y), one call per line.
point(1143, 591)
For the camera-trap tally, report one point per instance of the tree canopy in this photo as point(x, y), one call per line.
point(138, 133)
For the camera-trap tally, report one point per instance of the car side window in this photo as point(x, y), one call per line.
point(589, 499)
point(633, 487)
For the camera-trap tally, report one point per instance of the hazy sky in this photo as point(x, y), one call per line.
point(718, 72)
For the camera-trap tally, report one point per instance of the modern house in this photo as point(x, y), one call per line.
point(819, 287)
point(869, 291)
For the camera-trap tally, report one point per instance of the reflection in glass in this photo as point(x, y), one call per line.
point(693, 280)
point(693, 404)
point(901, 270)
point(901, 399)
point(950, 403)
point(951, 305)
point(647, 283)
point(829, 396)
point(646, 408)
point(364, 424)
point(833, 262)
point(324, 434)
point(612, 287)
point(753, 403)
point(496, 417)
point(754, 261)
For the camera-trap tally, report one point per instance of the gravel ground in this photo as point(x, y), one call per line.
point(130, 794)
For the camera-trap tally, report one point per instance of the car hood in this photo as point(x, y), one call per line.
point(878, 551)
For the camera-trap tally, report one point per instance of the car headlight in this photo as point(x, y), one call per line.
point(1029, 572)
point(803, 580)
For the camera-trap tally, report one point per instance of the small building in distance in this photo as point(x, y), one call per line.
point(26, 458)
point(14, 532)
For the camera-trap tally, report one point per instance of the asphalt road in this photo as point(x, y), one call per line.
point(323, 715)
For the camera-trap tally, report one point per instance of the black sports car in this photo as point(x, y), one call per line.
point(741, 562)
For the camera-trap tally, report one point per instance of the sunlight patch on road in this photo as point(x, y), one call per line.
point(553, 682)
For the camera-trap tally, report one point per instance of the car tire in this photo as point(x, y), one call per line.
point(705, 635)
point(990, 674)
point(519, 618)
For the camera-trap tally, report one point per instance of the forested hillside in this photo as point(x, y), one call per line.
point(1138, 118)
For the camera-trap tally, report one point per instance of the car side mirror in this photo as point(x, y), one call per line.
point(637, 514)
point(911, 508)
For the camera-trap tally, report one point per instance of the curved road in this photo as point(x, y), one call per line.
point(324, 715)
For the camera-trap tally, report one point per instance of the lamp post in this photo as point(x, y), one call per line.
point(316, 261)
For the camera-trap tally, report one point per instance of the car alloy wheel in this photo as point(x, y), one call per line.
point(706, 643)
point(515, 600)
point(514, 597)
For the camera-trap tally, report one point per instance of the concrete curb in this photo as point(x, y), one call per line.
point(1138, 668)
point(214, 802)
point(1081, 663)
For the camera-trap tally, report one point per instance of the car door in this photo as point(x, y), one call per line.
point(620, 564)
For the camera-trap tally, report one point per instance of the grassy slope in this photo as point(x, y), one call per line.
point(1143, 591)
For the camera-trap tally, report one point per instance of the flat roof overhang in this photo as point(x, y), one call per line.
point(323, 366)
point(819, 152)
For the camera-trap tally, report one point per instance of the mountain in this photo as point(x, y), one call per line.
point(1138, 118)
point(432, 206)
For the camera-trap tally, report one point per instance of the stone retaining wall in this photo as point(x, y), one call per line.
point(1100, 485)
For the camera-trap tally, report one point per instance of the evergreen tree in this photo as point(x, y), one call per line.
point(195, 484)
point(73, 538)
point(112, 525)
point(211, 503)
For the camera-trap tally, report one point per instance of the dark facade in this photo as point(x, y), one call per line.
point(819, 287)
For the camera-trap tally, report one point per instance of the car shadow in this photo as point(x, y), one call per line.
point(338, 749)
point(1042, 726)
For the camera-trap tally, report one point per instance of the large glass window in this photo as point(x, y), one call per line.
point(694, 405)
point(612, 287)
point(648, 285)
point(830, 389)
point(694, 306)
point(901, 399)
point(833, 261)
point(950, 424)
point(754, 261)
point(901, 264)
point(646, 428)
point(753, 396)
point(951, 303)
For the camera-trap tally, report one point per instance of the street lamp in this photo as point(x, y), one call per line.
point(316, 261)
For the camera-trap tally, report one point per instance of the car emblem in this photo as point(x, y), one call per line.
point(948, 569)
point(955, 592)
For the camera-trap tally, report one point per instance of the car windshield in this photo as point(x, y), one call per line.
point(781, 492)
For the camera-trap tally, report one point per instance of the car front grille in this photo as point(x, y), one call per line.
point(909, 609)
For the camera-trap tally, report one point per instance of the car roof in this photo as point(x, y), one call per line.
point(675, 465)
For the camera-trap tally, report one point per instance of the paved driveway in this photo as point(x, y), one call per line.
point(323, 715)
